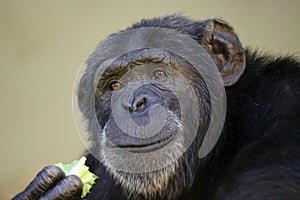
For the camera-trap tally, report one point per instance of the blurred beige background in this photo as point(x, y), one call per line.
point(43, 44)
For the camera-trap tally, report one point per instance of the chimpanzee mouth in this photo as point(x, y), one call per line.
point(117, 138)
point(146, 145)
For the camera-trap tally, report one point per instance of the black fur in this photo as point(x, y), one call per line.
point(258, 154)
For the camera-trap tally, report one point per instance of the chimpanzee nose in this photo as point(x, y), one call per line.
point(138, 104)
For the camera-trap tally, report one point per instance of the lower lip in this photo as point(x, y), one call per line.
point(146, 148)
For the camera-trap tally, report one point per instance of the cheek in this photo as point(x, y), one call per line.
point(173, 104)
point(102, 108)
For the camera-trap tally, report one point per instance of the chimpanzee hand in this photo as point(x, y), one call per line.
point(52, 184)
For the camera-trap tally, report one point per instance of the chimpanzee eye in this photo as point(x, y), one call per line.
point(114, 85)
point(159, 73)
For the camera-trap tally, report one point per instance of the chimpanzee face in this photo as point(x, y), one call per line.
point(152, 108)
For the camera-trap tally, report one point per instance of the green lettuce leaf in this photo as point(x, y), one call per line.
point(79, 169)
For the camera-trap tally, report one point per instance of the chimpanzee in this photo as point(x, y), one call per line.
point(257, 155)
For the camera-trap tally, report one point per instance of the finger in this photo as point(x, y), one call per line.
point(70, 188)
point(44, 180)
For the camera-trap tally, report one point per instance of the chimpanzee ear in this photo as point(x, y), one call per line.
point(224, 46)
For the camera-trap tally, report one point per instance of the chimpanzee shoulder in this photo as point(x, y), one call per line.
point(267, 92)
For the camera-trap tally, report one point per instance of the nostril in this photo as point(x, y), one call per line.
point(137, 105)
point(130, 109)
point(140, 104)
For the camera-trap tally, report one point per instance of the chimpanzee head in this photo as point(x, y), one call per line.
point(154, 100)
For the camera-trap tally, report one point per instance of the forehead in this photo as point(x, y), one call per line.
point(142, 60)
